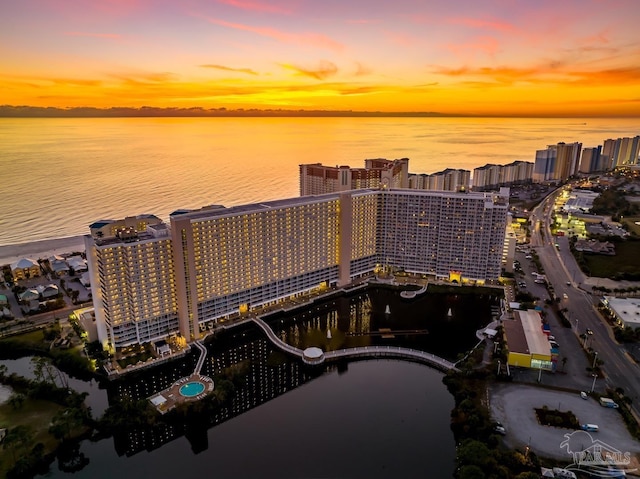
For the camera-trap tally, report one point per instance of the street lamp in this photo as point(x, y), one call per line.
point(593, 385)
point(595, 358)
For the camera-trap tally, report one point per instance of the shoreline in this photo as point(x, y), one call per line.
point(41, 249)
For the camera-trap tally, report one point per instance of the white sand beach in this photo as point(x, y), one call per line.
point(41, 249)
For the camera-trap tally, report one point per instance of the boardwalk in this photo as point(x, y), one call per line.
point(203, 355)
point(362, 352)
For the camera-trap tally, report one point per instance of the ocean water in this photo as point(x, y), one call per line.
point(60, 175)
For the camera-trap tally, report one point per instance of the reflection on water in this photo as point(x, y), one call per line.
point(381, 317)
point(377, 418)
point(343, 322)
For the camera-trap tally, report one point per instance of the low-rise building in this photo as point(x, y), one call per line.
point(596, 247)
point(626, 311)
point(528, 342)
point(58, 265)
point(48, 291)
point(25, 268)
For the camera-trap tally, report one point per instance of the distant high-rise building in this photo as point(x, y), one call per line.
point(446, 180)
point(316, 179)
point(621, 152)
point(491, 176)
point(628, 153)
point(215, 262)
point(591, 160)
point(557, 162)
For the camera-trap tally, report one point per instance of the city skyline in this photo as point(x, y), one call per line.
point(493, 58)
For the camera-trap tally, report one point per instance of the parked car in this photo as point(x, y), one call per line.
point(499, 428)
point(583, 395)
point(608, 402)
point(589, 427)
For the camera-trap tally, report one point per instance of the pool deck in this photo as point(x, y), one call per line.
point(166, 400)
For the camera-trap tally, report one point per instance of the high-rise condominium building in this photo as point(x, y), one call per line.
point(557, 162)
point(622, 152)
point(316, 179)
point(491, 176)
point(591, 160)
point(133, 280)
point(446, 180)
point(218, 261)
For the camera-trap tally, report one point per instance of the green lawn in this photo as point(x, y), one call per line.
point(626, 260)
point(35, 414)
point(631, 224)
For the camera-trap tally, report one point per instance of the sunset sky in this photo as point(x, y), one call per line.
point(480, 57)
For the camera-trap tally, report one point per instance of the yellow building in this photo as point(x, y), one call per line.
point(25, 268)
point(528, 345)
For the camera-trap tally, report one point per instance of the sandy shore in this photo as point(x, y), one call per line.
point(40, 249)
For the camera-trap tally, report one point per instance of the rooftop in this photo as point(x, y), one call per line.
point(627, 309)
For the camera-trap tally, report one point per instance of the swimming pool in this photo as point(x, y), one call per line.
point(191, 389)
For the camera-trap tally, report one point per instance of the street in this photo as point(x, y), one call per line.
point(560, 268)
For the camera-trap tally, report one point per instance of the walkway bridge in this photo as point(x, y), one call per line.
point(203, 355)
point(361, 352)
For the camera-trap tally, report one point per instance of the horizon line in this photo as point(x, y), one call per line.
point(27, 111)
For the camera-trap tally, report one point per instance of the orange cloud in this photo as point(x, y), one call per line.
point(311, 39)
point(256, 6)
point(248, 71)
point(553, 73)
point(324, 70)
point(361, 70)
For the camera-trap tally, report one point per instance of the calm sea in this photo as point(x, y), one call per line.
point(60, 175)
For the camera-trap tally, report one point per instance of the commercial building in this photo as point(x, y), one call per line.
point(316, 179)
point(625, 310)
point(215, 262)
point(528, 342)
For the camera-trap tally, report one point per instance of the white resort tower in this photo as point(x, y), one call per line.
point(151, 279)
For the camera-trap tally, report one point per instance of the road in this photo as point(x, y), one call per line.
point(564, 274)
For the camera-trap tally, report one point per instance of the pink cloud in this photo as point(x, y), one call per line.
point(488, 45)
point(311, 39)
point(113, 36)
point(256, 6)
point(363, 21)
point(484, 24)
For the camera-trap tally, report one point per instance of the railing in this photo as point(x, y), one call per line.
point(366, 351)
point(203, 355)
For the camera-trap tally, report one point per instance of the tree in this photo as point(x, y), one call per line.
point(65, 421)
point(471, 472)
point(16, 401)
point(18, 439)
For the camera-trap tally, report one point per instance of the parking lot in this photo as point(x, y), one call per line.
point(513, 405)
